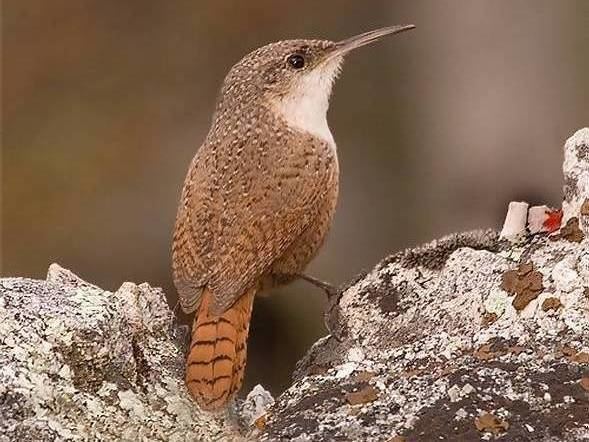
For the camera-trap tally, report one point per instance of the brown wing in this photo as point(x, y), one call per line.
point(191, 241)
point(247, 203)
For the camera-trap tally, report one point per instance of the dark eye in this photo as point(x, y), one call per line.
point(296, 61)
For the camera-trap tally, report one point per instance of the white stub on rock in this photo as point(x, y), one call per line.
point(515, 220)
point(536, 218)
point(576, 181)
point(256, 404)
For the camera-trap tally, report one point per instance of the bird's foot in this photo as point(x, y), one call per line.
point(329, 289)
point(331, 314)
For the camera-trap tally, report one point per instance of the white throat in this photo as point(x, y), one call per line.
point(305, 106)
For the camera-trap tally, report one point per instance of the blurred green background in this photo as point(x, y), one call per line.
point(105, 102)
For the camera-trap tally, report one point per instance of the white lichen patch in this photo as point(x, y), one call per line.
point(576, 174)
point(497, 301)
point(74, 365)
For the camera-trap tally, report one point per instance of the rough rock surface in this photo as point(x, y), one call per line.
point(81, 363)
point(467, 338)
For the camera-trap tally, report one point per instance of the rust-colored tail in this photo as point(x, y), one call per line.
point(216, 360)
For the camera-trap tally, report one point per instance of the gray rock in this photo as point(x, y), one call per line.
point(81, 363)
point(576, 179)
point(469, 337)
point(443, 344)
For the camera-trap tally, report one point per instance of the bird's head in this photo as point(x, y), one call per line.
point(295, 77)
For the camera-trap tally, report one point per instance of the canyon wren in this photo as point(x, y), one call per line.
point(258, 199)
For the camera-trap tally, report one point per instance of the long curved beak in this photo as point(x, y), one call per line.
point(349, 44)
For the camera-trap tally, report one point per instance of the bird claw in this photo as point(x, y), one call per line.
point(332, 318)
point(331, 313)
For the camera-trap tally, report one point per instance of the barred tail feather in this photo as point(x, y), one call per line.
point(216, 360)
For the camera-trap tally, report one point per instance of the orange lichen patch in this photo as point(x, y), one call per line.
point(567, 351)
point(318, 369)
point(492, 350)
point(580, 357)
point(516, 349)
point(551, 304)
point(571, 231)
point(488, 422)
point(363, 376)
point(524, 282)
point(444, 372)
point(485, 352)
point(585, 207)
point(489, 318)
point(413, 372)
point(584, 383)
point(260, 423)
point(363, 396)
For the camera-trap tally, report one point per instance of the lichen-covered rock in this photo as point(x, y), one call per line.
point(576, 181)
point(467, 338)
point(439, 348)
point(81, 363)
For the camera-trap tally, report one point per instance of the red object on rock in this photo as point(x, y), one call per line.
point(553, 220)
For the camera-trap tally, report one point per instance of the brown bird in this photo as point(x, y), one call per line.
point(257, 201)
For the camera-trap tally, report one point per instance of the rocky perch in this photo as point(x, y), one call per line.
point(473, 336)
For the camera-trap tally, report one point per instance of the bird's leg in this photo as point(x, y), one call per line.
point(329, 289)
point(331, 318)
